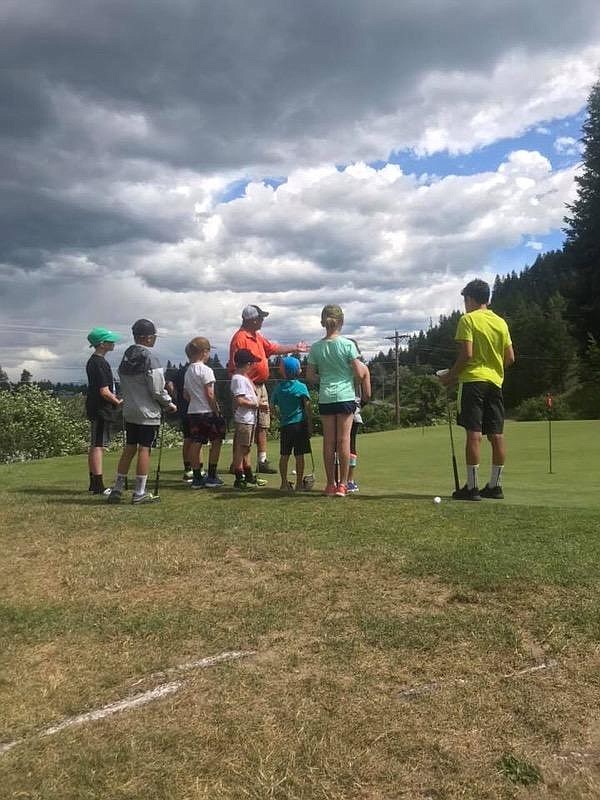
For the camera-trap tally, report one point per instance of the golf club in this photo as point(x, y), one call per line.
point(124, 442)
point(160, 449)
point(308, 481)
point(336, 460)
point(454, 464)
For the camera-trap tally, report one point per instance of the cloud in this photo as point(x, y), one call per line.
point(125, 125)
point(568, 146)
point(392, 249)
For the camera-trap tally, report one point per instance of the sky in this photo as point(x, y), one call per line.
point(178, 160)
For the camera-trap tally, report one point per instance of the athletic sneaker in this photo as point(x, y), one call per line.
point(351, 486)
point(244, 486)
point(466, 494)
point(492, 492)
point(197, 483)
point(142, 499)
point(256, 481)
point(341, 490)
point(266, 469)
point(213, 483)
point(188, 476)
point(330, 490)
point(114, 496)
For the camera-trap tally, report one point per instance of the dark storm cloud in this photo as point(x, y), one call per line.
point(225, 85)
point(116, 116)
point(32, 226)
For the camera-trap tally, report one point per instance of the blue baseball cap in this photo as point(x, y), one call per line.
point(291, 366)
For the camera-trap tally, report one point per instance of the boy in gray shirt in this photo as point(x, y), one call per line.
point(144, 400)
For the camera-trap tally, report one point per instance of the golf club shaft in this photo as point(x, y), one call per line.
point(454, 464)
point(124, 443)
point(160, 448)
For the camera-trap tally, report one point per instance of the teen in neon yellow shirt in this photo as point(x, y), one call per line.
point(490, 339)
point(485, 349)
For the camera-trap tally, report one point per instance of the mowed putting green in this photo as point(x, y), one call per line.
point(402, 649)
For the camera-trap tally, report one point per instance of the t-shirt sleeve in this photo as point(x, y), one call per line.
point(464, 329)
point(352, 351)
point(302, 390)
point(100, 374)
point(235, 345)
point(208, 377)
point(269, 347)
point(507, 339)
point(237, 386)
point(312, 357)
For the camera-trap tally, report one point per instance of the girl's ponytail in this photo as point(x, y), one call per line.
point(332, 318)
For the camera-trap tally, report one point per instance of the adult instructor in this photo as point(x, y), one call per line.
point(249, 338)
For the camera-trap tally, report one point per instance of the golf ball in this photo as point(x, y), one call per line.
point(437, 500)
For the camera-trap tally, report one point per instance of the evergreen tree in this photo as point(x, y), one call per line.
point(25, 378)
point(4, 382)
point(583, 227)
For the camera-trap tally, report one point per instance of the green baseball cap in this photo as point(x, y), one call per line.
point(98, 335)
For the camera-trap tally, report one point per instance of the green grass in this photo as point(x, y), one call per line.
point(347, 603)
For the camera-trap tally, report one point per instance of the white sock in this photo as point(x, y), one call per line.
point(120, 482)
point(496, 477)
point(262, 457)
point(140, 484)
point(472, 470)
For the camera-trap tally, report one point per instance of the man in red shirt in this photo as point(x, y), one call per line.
point(249, 338)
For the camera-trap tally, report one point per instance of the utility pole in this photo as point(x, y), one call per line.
point(396, 339)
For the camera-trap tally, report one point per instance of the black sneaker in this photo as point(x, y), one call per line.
point(466, 494)
point(266, 469)
point(492, 492)
point(243, 486)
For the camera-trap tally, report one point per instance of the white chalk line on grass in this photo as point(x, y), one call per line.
point(427, 688)
point(134, 701)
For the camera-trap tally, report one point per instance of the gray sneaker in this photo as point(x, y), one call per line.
point(114, 496)
point(147, 497)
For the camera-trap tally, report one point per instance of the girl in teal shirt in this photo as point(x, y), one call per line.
point(333, 363)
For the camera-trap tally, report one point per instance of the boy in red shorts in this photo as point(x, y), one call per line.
point(205, 422)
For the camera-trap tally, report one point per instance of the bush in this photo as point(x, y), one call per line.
point(35, 424)
point(534, 409)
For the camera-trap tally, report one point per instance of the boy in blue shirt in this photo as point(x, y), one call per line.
point(293, 400)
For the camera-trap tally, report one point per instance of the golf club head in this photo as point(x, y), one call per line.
point(308, 481)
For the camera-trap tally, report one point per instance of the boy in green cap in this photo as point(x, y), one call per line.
point(100, 398)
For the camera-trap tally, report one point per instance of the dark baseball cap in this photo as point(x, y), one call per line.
point(143, 327)
point(243, 357)
point(253, 312)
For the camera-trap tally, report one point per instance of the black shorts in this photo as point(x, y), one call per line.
point(99, 433)
point(481, 407)
point(345, 407)
point(204, 428)
point(185, 426)
point(141, 435)
point(294, 438)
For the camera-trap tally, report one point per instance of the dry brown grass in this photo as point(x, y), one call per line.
point(318, 714)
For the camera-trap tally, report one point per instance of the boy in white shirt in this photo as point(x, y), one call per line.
point(204, 416)
point(246, 406)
